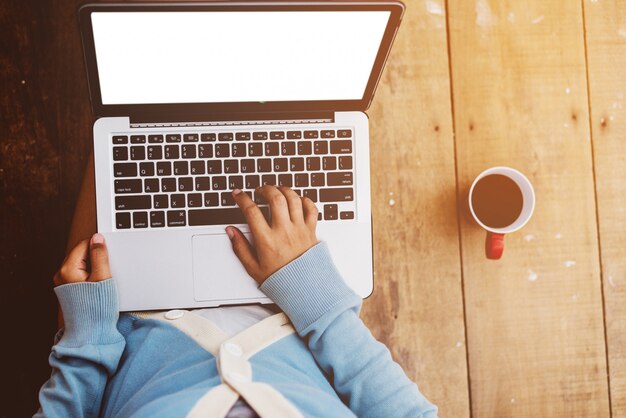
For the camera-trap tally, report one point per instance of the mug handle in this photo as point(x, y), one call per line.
point(494, 245)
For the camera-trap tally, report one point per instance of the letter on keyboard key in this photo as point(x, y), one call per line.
point(128, 186)
point(125, 169)
point(220, 216)
point(157, 219)
point(341, 147)
point(227, 199)
point(339, 179)
point(341, 194)
point(122, 220)
point(140, 220)
point(133, 202)
point(176, 218)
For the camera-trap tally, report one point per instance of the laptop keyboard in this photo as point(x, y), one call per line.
point(186, 179)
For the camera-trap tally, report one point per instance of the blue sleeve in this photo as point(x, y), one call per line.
point(87, 352)
point(324, 311)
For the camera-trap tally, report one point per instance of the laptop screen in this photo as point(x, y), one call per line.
point(158, 57)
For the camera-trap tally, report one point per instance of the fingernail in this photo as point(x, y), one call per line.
point(230, 232)
point(97, 239)
point(236, 192)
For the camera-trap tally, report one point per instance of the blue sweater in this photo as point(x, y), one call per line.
point(111, 365)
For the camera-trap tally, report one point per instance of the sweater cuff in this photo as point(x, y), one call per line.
point(308, 287)
point(90, 312)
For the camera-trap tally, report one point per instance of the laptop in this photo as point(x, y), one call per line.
point(193, 100)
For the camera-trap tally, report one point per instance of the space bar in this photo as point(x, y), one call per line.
point(219, 216)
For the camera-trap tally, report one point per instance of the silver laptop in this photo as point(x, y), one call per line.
point(193, 100)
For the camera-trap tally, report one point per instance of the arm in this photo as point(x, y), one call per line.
point(88, 349)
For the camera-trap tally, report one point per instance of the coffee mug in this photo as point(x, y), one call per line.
point(501, 200)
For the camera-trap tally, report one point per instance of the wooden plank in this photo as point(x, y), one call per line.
point(605, 24)
point(534, 318)
point(417, 306)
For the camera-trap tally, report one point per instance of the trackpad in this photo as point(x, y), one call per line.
point(217, 272)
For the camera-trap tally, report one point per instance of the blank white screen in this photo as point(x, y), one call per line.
point(208, 57)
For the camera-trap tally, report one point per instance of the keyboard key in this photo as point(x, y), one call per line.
point(128, 186)
point(330, 212)
point(294, 134)
point(339, 179)
point(313, 164)
point(281, 164)
point(317, 179)
point(346, 215)
point(194, 200)
point(288, 148)
point(125, 169)
point(231, 166)
point(341, 147)
point(208, 137)
point(222, 150)
point(259, 136)
point(242, 136)
point(302, 180)
point(188, 151)
point(157, 219)
point(320, 147)
point(248, 166)
point(172, 138)
point(133, 202)
point(239, 150)
point(328, 134)
point(252, 182)
point(344, 133)
point(176, 218)
point(122, 220)
point(155, 139)
point(205, 151)
point(140, 220)
point(197, 167)
point(203, 183)
point(329, 163)
point(255, 149)
point(146, 169)
point(137, 153)
point(264, 165)
point(296, 164)
point(185, 184)
point(304, 148)
point(181, 168)
point(227, 199)
point(298, 192)
point(311, 134)
point(172, 152)
point(219, 183)
point(344, 194)
point(271, 149)
point(214, 167)
point(345, 162)
point(161, 201)
point(137, 139)
point(190, 137)
point(151, 185)
point(211, 199)
point(277, 135)
point(164, 168)
point(235, 182)
point(120, 153)
point(118, 140)
point(268, 180)
point(285, 180)
point(168, 184)
point(220, 216)
point(155, 152)
point(258, 199)
point(311, 194)
point(177, 201)
point(225, 136)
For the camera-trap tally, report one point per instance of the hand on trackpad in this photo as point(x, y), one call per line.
point(218, 273)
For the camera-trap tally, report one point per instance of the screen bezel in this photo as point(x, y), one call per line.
point(169, 110)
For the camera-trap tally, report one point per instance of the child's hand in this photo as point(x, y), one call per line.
point(88, 261)
point(292, 231)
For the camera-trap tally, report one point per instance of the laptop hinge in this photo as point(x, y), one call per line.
point(137, 121)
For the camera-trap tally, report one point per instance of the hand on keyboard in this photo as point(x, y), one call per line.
point(290, 234)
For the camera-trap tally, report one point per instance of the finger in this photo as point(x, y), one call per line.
point(244, 252)
point(278, 204)
point(294, 203)
point(74, 268)
point(99, 257)
point(254, 217)
point(310, 213)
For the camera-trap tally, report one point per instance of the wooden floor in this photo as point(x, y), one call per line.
point(537, 85)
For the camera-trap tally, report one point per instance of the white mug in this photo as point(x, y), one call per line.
point(494, 244)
